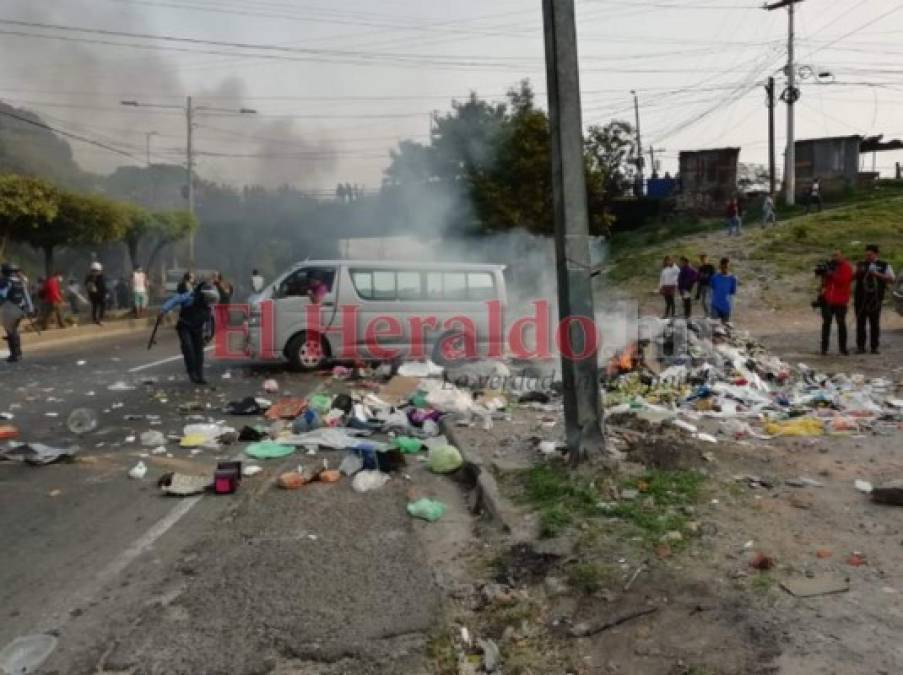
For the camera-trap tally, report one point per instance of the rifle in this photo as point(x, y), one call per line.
point(34, 326)
point(153, 337)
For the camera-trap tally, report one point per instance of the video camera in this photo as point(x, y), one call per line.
point(825, 267)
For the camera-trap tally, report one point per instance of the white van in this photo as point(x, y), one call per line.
point(392, 303)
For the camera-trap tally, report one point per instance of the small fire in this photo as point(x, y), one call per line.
point(625, 362)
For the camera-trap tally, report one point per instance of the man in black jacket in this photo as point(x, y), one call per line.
point(193, 325)
point(873, 276)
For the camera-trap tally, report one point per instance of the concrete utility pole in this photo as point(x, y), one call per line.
point(582, 410)
point(791, 96)
point(189, 115)
point(639, 145)
point(772, 165)
point(190, 111)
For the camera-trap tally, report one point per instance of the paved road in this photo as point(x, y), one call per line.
point(320, 580)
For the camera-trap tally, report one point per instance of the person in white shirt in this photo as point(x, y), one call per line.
point(814, 195)
point(139, 289)
point(667, 285)
point(257, 281)
point(768, 214)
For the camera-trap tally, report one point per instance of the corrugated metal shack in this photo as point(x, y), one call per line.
point(708, 179)
point(834, 161)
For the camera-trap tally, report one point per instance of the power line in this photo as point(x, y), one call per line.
point(73, 136)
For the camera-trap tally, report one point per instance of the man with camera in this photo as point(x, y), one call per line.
point(872, 279)
point(834, 298)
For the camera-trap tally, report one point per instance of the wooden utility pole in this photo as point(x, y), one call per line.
point(772, 164)
point(580, 372)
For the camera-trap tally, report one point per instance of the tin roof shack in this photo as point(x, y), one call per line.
point(834, 161)
point(708, 179)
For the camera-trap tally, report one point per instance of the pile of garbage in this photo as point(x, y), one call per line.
point(732, 380)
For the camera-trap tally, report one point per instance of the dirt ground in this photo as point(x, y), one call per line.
point(709, 610)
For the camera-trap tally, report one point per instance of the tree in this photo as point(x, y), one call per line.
point(25, 204)
point(139, 224)
point(169, 227)
point(80, 220)
point(611, 151)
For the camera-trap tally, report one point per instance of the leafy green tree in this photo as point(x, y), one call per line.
point(168, 227)
point(80, 220)
point(139, 224)
point(25, 204)
point(611, 151)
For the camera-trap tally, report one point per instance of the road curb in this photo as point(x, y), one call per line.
point(488, 497)
point(79, 334)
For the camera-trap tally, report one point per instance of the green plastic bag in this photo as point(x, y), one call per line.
point(320, 402)
point(268, 450)
point(445, 459)
point(408, 445)
point(418, 400)
point(427, 509)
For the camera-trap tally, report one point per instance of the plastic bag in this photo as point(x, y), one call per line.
point(800, 426)
point(445, 459)
point(430, 510)
point(351, 464)
point(152, 438)
point(320, 402)
point(420, 369)
point(268, 450)
point(138, 471)
point(365, 481)
point(408, 445)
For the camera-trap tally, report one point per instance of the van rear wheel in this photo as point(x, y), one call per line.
point(307, 352)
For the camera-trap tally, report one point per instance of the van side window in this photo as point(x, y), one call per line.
point(409, 286)
point(434, 285)
point(480, 286)
point(301, 282)
point(363, 284)
point(455, 286)
point(383, 285)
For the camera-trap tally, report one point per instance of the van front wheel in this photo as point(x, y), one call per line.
point(307, 352)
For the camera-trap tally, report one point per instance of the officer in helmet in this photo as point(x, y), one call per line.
point(193, 326)
point(15, 305)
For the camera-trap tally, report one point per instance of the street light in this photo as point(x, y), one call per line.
point(189, 110)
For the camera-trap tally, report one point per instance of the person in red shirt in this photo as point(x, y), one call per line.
point(836, 285)
point(52, 295)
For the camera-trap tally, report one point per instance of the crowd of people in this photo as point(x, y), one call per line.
point(712, 289)
point(865, 284)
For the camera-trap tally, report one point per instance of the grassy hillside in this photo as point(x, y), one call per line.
point(786, 252)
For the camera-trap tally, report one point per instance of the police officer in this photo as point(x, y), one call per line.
point(872, 278)
point(15, 305)
point(194, 326)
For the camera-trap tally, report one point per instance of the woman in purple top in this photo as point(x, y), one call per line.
point(686, 280)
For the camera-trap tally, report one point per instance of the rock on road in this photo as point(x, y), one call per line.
point(320, 580)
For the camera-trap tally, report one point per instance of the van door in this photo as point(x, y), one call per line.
point(295, 293)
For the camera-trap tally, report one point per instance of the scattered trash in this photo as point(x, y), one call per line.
point(82, 421)
point(227, 477)
point(121, 386)
point(801, 426)
point(761, 562)
point(428, 509)
point(287, 408)
point(408, 445)
point(26, 654)
point(270, 386)
point(444, 459)
point(183, 485)
point(153, 437)
point(889, 493)
point(805, 587)
point(268, 450)
point(863, 486)
point(823, 553)
point(321, 403)
point(329, 476)
point(246, 406)
point(351, 464)
point(366, 481)
point(7, 431)
point(138, 471)
point(251, 470)
point(492, 657)
point(856, 559)
point(37, 454)
point(291, 480)
point(161, 450)
point(803, 482)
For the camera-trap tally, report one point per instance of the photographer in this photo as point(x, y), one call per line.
point(834, 298)
point(872, 278)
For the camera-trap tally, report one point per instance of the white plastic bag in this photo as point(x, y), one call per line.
point(365, 481)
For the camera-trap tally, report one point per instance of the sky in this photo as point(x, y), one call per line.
point(336, 85)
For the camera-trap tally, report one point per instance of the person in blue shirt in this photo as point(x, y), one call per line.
point(724, 288)
point(15, 305)
point(195, 318)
